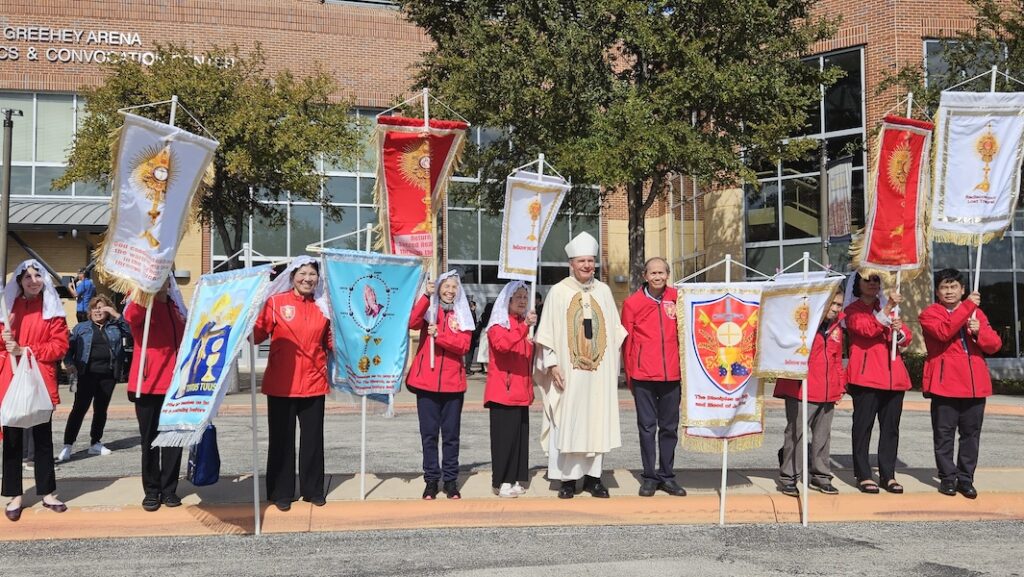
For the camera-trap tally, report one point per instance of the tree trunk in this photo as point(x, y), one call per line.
point(637, 234)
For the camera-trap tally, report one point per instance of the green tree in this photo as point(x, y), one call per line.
point(273, 130)
point(624, 94)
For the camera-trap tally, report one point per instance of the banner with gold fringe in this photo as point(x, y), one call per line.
point(415, 164)
point(791, 310)
point(893, 238)
point(531, 205)
point(979, 147)
point(157, 169)
point(722, 399)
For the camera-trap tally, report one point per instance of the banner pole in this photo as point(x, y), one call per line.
point(896, 310)
point(910, 105)
point(804, 497)
point(533, 285)
point(362, 454)
point(725, 440)
point(247, 251)
point(433, 231)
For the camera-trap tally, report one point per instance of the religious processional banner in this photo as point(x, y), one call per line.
point(224, 308)
point(414, 166)
point(531, 205)
point(157, 169)
point(372, 296)
point(979, 146)
point(722, 399)
point(893, 238)
point(840, 185)
point(791, 310)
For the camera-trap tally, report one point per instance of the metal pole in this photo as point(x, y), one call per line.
point(725, 441)
point(823, 202)
point(5, 197)
point(803, 410)
point(433, 230)
point(533, 284)
point(247, 250)
point(362, 454)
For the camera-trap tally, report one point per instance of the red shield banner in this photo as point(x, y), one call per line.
point(724, 332)
point(414, 166)
point(898, 189)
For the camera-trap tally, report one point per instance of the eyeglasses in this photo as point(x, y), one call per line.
point(873, 279)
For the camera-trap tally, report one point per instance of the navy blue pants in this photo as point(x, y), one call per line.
point(440, 413)
point(950, 415)
point(657, 415)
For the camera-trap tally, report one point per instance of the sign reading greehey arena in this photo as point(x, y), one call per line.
point(80, 46)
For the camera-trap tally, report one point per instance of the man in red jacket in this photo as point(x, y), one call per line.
point(826, 383)
point(958, 336)
point(652, 366)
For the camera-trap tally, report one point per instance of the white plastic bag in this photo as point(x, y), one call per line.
point(27, 402)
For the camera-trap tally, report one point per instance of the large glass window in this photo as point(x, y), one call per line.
point(782, 211)
point(41, 142)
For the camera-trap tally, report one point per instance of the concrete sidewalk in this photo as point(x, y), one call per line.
point(101, 508)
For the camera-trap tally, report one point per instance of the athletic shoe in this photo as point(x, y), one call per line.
point(790, 489)
point(506, 491)
point(99, 449)
point(64, 455)
point(518, 489)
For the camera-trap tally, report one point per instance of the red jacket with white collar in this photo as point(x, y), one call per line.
point(826, 377)
point(951, 370)
point(300, 338)
point(48, 340)
point(450, 347)
point(509, 371)
point(166, 328)
point(651, 347)
point(869, 364)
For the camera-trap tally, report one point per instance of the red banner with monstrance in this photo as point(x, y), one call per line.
point(415, 164)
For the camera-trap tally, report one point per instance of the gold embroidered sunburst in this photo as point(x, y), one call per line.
point(987, 146)
point(899, 167)
point(415, 164)
point(152, 173)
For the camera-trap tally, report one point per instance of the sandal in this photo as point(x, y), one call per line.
point(868, 487)
point(893, 487)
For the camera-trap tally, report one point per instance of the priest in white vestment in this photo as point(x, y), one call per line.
point(577, 369)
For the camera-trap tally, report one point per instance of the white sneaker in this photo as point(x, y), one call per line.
point(64, 455)
point(99, 449)
point(518, 489)
point(506, 491)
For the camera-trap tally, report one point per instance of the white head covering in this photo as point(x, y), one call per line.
point(461, 304)
point(582, 245)
point(51, 300)
point(499, 312)
point(283, 283)
point(173, 293)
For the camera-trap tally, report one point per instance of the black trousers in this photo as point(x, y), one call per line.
point(657, 414)
point(95, 390)
point(42, 440)
point(510, 444)
point(948, 416)
point(161, 466)
point(282, 414)
point(440, 413)
point(887, 407)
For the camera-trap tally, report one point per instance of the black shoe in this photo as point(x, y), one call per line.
point(593, 486)
point(948, 488)
point(567, 490)
point(430, 491)
point(789, 489)
point(648, 487)
point(826, 488)
point(316, 501)
point(171, 500)
point(966, 488)
point(14, 514)
point(672, 488)
point(451, 489)
point(283, 505)
point(151, 503)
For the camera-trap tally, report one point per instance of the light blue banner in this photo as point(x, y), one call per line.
point(371, 299)
point(224, 308)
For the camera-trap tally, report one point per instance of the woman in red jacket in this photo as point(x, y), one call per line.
point(958, 336)
point(36, 322)
point(161, 466)
point(296, 318)
point(509, 389)
point(440, 388)
point(826, 383)
point(876, 383)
